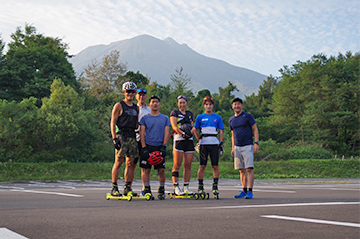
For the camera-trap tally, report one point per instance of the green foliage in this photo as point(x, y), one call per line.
point(271, 150)
point(63, 170)
point(139, 79)
point(60, 129)
point(106, 77)
point(258, 104)
point(30, 65)
point(310, 111)
point(318, 100)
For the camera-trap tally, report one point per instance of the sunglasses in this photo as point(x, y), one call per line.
point(208, 98)
point(141, 90)
point(182, 97)
point(130, 92)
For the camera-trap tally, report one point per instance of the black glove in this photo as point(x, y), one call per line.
point(145, 154)
point(221, 148)
point(117, 143)
point(163, 151)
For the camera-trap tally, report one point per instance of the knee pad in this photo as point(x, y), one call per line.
point(175, 174)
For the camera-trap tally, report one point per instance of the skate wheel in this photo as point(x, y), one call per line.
point(130, 198)
point(202, 195)
point(196, 196)
point(147, 196)
point(216, 196)
point(107, 196)
point(207, 196)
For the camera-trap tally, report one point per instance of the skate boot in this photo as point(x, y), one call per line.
point(178, 191)
point(161, 193)
point(148, 193)
point(203, 194)
point(115, 191)
point(187, 190)
point(128, 191)
point(215, 192)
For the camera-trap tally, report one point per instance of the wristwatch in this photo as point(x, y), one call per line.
point(257, 142)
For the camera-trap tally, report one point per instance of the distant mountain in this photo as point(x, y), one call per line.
point(158, 59)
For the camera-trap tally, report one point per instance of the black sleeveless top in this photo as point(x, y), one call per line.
point(127, 120)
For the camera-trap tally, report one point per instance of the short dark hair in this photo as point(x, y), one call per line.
point(154, 97)
point(237, 99)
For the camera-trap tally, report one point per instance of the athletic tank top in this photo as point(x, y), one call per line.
point(127, 120)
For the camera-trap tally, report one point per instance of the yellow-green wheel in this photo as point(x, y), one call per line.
point(196, 196)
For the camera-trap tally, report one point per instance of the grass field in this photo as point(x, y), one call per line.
point(305, 168)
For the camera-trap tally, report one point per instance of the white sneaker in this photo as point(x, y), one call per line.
point(178, 192)
point(187, 190)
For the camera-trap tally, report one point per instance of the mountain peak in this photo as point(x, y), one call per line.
point(159, 59)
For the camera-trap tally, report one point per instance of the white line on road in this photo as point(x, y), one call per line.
point(273, 191)
point(7, 234)
point(282, 205)
point(53, 193)
point(346, 224)
point(9, 187)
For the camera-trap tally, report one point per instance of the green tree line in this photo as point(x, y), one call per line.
point(48, 114)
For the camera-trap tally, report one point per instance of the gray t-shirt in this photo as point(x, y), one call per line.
point(155, 128)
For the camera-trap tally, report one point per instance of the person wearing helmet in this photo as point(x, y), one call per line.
point(208, 123)
point(124, 121)
point(154, 135)
point(182, 122)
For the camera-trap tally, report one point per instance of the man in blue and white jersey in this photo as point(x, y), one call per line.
point(208, 124)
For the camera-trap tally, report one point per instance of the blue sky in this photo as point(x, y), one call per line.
point(260, 35)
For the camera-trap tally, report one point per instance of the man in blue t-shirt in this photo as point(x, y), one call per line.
point(243, 128)
point(154, 135)
point(208, 123)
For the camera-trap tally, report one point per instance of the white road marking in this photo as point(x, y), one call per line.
point(9, 187)
point(7, 234)
point(273, 191)
point(281, 205)
point(43, 192)
point(346, 224)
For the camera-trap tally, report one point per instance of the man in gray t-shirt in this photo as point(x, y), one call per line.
point(154, 135)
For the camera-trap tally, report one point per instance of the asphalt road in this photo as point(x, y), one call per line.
point(280, 209)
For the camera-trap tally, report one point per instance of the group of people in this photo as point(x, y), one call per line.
point(141, 133)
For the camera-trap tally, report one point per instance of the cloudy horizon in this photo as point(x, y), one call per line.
point(259, 35)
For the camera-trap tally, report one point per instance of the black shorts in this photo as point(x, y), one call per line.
point(185, 146)
point(145, 164)
point(212, 150)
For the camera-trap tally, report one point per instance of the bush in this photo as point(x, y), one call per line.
point(309, 151)
point(271, 150)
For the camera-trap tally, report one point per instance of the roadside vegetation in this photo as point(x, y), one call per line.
point(299, 168)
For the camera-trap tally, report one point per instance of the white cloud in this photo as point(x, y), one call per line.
point(259, 35)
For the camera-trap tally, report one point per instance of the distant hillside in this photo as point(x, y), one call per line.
point(158, 59)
